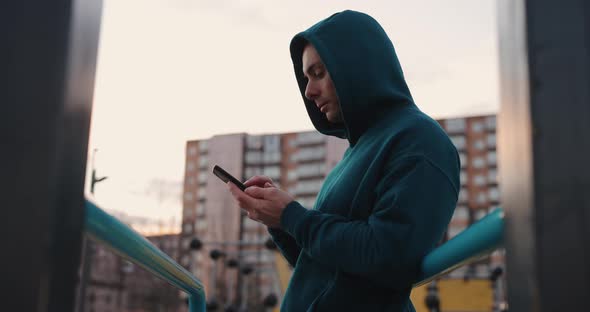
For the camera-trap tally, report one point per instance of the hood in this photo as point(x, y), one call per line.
point(363, 66)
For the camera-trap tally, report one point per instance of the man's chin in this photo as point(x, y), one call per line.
point(332, 119)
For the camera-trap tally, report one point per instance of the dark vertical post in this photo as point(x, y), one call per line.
point(47, 62)
point(544, 148)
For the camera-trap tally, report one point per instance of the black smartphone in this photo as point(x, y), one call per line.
point(226, 177)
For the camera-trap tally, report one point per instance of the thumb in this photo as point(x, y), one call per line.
point(268, 184)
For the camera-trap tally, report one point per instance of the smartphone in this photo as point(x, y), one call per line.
point(226, 177)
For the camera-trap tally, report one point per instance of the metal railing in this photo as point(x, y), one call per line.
point(124, 241)
point(479, 239)
point(474, 242)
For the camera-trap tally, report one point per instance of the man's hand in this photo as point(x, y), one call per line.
point(260, 181)
point(263, 204)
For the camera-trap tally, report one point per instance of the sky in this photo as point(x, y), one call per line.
point(170, 71)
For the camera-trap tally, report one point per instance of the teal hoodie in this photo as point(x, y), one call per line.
point(387, 203)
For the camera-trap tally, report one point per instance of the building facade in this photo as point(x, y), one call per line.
point(298, 163)
point(116, 285)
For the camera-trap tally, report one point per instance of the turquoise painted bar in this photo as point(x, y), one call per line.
point(479, 239)
point(129, 244)
point(476, 241)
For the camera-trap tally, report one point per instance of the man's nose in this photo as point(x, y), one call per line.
point(311, 91)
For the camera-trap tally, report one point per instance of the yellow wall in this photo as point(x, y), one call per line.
point(457, 295)
point(454, 294)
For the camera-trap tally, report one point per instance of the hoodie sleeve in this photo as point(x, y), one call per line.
point(286, 244)
point(414, 203)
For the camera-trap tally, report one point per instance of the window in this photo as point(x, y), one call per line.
point(310, 170)
point(201, 224)
point(308, 187)
point(253, 157)
point(463, 177)
point(266, 257)
point(203, 175)
point(461, 213)
point(204, 146)
point(491, 138)
point(492, 176)
point(190, 166)
point(187, 228)
point(186, 243)
point(200, 209)
point(455, 125)
point(313, 137)
point(188, 196)
point(249, 237)
point(458, 141)
point(291, 175)
point(491, 123)
point(203, 161)
point(463, 195)
point(272, 143)
point(479, 180)
point(492, 158)
point(252, 171)
point(479, 145)
point(463, 160)
point(190, 180)
point(250, 224)
point(477, 126)
point(254, 141)
point(271, 157)
point(312, 153)
point(202, 193)
point(481, 198)
point(192, 151)
point(273, 172)
point(494, 194)
point(478, 162)
point(482, 271)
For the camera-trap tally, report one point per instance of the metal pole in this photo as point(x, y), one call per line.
point(544, 147)
point(88, 246)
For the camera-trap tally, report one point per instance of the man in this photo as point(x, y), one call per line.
point(387, 202)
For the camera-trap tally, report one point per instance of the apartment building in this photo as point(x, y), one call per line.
point(116, 285)
point(298, 163)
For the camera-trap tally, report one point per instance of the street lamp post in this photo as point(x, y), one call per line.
point(87, 247)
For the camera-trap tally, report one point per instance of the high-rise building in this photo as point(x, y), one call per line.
point(298, 163)
point(105, 283)
point(475, 139)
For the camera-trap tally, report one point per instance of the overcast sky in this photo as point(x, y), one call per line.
point(176, 70)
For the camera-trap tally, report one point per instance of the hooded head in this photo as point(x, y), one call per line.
point(361, 63)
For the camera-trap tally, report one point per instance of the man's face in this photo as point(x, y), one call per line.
point(320, 87)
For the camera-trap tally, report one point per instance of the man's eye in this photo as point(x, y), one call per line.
point(318, 74)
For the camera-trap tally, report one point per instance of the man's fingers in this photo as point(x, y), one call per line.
point(245, 201)
point(259, 192)
point(259, 181)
